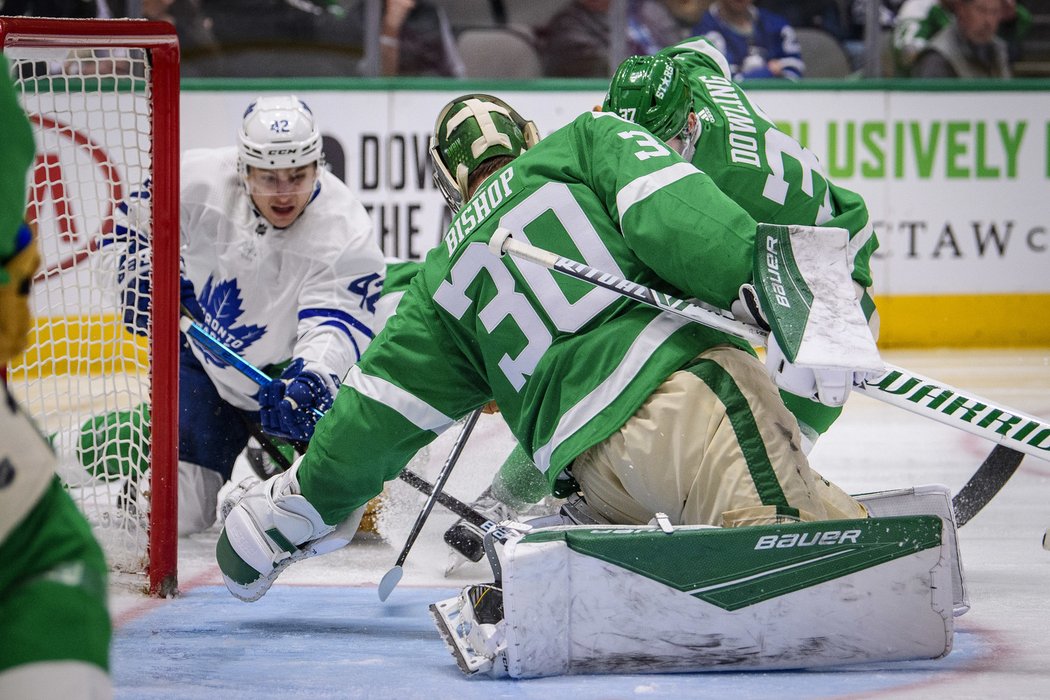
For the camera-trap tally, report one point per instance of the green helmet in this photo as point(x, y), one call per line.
point(469, 131)
point(652, 92)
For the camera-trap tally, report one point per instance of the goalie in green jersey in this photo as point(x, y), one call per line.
point(54, 624)
point(639, 410)
point(685, 92)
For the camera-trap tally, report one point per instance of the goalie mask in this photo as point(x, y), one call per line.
point(469, 131)
point(652, 92)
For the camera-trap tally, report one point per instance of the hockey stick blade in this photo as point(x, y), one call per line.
point(389, 582)
point(391, 578)
point(985, 483)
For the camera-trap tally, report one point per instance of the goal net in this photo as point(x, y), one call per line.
point(102, 96)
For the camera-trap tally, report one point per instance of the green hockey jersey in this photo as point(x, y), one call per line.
point(773, 177)
point(567, 362)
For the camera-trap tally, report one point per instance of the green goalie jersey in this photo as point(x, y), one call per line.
point(767, 172)
point(567, 362)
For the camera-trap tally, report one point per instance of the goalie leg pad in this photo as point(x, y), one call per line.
point(608, 599)
point(932, 499)
point(270, 528)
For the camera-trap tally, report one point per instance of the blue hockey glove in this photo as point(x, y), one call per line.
point(287, 405)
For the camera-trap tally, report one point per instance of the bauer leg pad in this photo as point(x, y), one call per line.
point(933, 499)
point(613, 599)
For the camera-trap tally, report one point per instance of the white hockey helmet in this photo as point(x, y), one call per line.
point(278, 132)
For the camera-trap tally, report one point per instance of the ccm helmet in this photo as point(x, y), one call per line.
point(652, 92)
point(469, 131)
point(278, 132)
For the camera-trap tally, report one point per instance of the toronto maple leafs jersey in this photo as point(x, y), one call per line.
point(306, 291)
point(771, 37)
point(567, 362)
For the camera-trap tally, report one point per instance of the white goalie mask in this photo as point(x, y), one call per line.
point(278, 132)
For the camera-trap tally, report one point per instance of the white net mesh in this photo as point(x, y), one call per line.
point(86, 377)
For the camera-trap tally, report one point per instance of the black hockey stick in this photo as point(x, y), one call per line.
point(1012, 430)
point(390, 578)
point(989, 478)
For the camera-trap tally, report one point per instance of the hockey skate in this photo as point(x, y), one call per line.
point(466, 541)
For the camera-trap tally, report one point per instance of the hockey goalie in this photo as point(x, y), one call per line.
point(754, 560)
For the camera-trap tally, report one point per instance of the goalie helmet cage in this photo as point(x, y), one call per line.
point(103, 99)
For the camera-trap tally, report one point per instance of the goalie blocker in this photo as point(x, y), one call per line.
point(613, 599)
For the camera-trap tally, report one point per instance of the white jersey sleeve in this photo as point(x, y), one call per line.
point(308, 290)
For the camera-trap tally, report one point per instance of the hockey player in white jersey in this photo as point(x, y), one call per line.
point(280, 262)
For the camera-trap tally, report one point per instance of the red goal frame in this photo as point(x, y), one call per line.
point(159, 41)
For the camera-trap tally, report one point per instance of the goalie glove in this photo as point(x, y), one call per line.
point(747, 309)
point(830, 387)
point(289, 406)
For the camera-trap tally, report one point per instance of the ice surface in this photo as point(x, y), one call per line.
point(321, 632)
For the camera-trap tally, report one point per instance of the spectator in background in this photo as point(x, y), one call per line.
point(919, 20)
point(199, 52)
point(757, 43)
point(417, 39)
point(969, 46)
point(654, 24)
point(913, 27)
point(575, 42)
point(812, 14)
point(1014, 26)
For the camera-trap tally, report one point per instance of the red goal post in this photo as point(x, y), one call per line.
point(103, 99)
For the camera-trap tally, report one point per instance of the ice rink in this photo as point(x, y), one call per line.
point(321, 631)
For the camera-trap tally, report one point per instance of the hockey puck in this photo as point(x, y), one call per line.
point(465, 540)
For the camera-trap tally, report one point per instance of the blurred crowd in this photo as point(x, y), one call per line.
point(762, 39)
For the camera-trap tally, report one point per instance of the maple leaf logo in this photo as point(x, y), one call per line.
point(222, 308)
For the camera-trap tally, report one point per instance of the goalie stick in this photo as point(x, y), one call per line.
point(393, 576)
point(1015, 432)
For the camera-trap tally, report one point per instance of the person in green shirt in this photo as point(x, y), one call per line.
point(639, 410)
point(54, 624)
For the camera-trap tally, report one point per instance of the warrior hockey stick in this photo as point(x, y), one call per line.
point(1015, 432)
point(391, 578)
point(897, 386)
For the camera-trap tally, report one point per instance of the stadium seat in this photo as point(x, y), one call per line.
point(533, 13)
point(469, 13)
point(822, 53)
point(499, 52)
